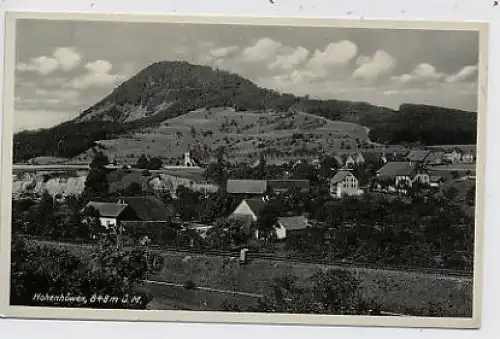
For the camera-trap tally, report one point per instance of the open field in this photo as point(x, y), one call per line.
point(240, 132)
point(396, 291)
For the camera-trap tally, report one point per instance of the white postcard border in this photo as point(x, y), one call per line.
point(232, 317)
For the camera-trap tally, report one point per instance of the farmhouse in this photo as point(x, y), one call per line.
point(147, 208)
point(287, 225)
point(397, 174)
point(110, 214)
point(417, 157)
point(132, 209)
point(344, 183)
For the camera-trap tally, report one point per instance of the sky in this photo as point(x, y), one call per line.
point(64, 67)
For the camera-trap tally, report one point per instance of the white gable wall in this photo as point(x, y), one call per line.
point(243, 209)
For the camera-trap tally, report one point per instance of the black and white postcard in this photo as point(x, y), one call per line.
point(243, 170)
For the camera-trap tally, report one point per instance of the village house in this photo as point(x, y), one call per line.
point(417, 157)
point(248, 211)
point(132, 209)
point(453, 156)
point(288, 225)
point(110, 214)
point(469, 157)
point(148, 209)
point(399, 176)
point(394, 175)
point(435, 158)
point(344, 183)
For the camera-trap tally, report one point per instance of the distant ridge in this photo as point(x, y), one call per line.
point(167, 89)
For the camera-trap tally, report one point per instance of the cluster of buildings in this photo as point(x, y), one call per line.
point(396, 173)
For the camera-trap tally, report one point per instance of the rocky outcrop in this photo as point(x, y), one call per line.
point(37, 184)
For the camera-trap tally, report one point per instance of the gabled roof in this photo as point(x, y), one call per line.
point(246, 186)
point(434, 156)
point(108, 209)
point(288, 184)
point(417, 155)
point(255, 204)
point(339, 176)
point(149, 208)
point(293, 223)
point(392, 169)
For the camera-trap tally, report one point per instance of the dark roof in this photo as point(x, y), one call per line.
point(256, 205)
point(149, 208)
point(246, 186)
point(288, 184)
point(435, 156)
point(392, 169)
point(417, 155)
point(339, 176)
point(293, 223)
point(371, 156)
point(436, 178)
point(108, 209)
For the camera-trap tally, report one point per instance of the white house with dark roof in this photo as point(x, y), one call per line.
point(109, 213)
point(344, 183)
point(248, 211)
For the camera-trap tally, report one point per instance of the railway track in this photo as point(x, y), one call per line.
point(291, 259)
point(269, 256)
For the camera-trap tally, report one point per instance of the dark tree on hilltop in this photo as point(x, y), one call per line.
point(142, 162)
